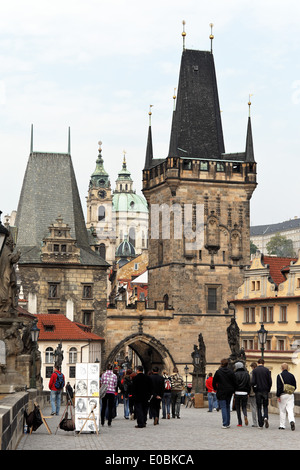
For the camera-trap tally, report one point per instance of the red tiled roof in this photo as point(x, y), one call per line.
point(277, 266)
point(63, 329)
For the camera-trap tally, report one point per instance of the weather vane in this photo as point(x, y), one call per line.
point(249, 103)
point(174, 98)
point(183, 34)
point(211, 36)
point(150, 113)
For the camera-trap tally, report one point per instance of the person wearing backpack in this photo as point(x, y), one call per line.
point(166, 399)
point(56, 385)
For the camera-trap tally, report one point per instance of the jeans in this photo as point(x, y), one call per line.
point(107, 401)
point(126, 407)
point(262, 400)
point(166, 402)
point(212, 401)
point(225, 409)
point(176, 402)
point(55, 400)
point(241, 402)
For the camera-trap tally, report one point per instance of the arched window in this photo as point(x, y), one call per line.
point(101, 213)
point(72, 355)
point(132, 236)
point(49, 356)
point(102, 250)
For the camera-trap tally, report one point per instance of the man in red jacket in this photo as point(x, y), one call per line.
point(56, 385)
point(211, 394)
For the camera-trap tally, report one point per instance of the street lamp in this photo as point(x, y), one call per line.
point(186, 371)
point(262, 337)
point(3, 235)
point(34, 331)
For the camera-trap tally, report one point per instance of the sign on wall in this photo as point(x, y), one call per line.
point(87, 396)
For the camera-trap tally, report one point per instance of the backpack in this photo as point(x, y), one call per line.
point(167, 384)
point(60, 381)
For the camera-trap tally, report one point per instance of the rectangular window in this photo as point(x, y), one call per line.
point(280, 345)
point(53, 291)
point(87, 318)
point(49, 372)
point(212, 299)
point(283, 313)
point(72, 372)
point(87, 291)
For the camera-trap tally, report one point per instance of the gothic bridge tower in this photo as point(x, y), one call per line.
point(199, 269)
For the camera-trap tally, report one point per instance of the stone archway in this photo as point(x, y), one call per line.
point(150, 351)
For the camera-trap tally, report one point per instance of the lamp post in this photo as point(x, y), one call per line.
point(186, 371)
point(262, 337)
point(34, 331)
point(3, 235)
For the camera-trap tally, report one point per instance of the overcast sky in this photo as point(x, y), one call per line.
point(97, 65)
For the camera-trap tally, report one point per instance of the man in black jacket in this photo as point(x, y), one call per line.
point(141, 391)
point(158, 389)
point(224, 383)
point(286, 398)
point(262, 383)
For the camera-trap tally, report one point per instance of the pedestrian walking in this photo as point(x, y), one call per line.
point(224, 384)
point(286, 386)
point(166, 399)
point(158, 388)
point(241, 392)
point(262, 383)
point(56, 385)
point(252, 399)
point(141, 391)
point(125, 386)
point(177, 385)
point(108, 401)
point(211, 394)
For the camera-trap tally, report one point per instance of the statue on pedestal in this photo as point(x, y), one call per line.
point(233, 335)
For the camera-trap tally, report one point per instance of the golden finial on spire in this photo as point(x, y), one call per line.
point(183, 34)
point(249, 103)
point(211, 36)
point(150, 114)
point(100, 146)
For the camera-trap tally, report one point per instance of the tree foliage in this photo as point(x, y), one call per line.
point(279, 245)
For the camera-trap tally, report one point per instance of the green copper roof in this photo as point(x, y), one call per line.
point(126, 202)
point(100, 177)
point(124, 174)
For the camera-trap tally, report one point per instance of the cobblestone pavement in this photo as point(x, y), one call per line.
point(195, 430)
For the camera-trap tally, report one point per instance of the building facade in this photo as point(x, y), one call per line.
point(58, 271)
point(206, 193)
point(270, 295)
point(115, 215)
point(261, 234)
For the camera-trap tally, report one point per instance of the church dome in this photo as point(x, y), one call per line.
point(129, 202)
point(125, 249)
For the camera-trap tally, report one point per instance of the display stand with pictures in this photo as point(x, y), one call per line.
point(87, 404)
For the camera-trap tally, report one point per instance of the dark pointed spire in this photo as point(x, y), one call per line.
point(149, 150)
point(249, 157)
point(196, 127)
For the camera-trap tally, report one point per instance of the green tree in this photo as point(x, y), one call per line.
point(279, 245)
point(253, 248)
